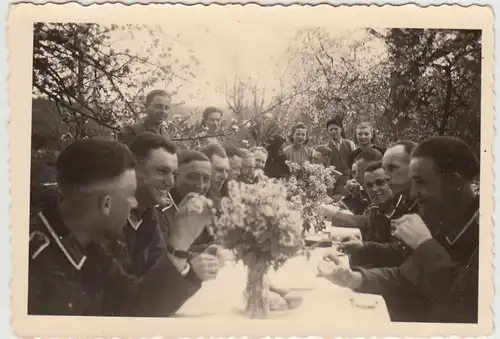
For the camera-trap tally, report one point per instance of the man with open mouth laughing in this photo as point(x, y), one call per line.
point(147, 237)
point(379, 247)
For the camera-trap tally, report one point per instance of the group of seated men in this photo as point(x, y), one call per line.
point(127, 233)
point(420, 232)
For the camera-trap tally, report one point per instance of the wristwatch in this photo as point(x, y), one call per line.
point(177, 253)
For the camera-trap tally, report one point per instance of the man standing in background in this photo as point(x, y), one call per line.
point(341, 149)
point(157, 105)
point(247, 174)
point(234, 157)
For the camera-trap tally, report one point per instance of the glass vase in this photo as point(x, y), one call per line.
point(257, 290)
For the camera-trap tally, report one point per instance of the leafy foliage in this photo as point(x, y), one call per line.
point(83, 70)
point(411, 83)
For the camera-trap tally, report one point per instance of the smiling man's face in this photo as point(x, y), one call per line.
point(156, 174)
point(220, 170)
point(377, 186)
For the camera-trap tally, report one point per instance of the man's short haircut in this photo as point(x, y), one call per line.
point(365, 124)
point(259, 149)
point(186, 156)
point(373, 166)
point(276, 140)
point(324, 150)
point(232, 151)
point(156, 92)
point(296, 127)
point(89, 161)
point(337, 121)
point(145, 142)
point(214, 149)
point(245, 154)
point(210, 110)
point(450, 155)
point(369, 155)
point(408, 145)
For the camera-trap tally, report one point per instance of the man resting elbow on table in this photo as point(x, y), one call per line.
point(439, 281)
point(378, 248)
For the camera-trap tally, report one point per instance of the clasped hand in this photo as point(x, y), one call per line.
point(411, 229)
point(195, 212)
point(328, 211)
point(207, 264)
point(351, 245)
point(352, 186)
point(335, 267)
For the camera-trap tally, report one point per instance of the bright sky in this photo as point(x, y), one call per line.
point(227, 50)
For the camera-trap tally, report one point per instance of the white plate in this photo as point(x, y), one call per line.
point(364, 301)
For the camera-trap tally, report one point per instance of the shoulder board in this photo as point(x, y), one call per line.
point(38, 242)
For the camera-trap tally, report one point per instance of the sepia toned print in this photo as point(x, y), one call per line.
point(204, 170)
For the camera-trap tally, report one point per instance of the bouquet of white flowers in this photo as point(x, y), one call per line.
point(308, 189)
point(257, 223)
point(256, 218)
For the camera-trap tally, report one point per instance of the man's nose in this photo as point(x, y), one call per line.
point(169, 180)
point(133, 203)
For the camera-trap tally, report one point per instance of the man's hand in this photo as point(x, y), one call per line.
point(328, 211)
point(351, 245)
point(334, 268)
point(411, 229)
point(195, 212)
point(206, 265)
point(352, 186)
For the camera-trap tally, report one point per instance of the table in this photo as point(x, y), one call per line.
point(222, 298)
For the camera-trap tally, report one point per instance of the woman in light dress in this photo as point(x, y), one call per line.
point(298, 152)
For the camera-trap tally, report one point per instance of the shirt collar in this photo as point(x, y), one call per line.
point(136, 224)
point(151, 128)
point(62, 236)
point(336, 144)
point(454, 230)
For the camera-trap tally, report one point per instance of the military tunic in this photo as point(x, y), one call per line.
point(67, 279)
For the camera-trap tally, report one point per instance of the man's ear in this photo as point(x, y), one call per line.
point(454, 180)
point(105, 204)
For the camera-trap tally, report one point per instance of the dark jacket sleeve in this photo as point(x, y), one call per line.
point(163, 290)
point(375, 254)
point(44, 290)
point(350, 221)
point(403, 300)
point(126, 135)
point(429, 275)
point(448, 283)
point(52, 292)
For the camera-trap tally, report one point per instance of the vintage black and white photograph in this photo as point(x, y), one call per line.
point(252, 165)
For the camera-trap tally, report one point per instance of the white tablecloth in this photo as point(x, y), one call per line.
point(222, 298)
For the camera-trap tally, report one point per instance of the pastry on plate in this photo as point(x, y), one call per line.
point(293, 299)
point(277, 302)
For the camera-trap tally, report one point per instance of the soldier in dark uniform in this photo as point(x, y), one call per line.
point(438, 282)
point(379, 248)
point(146, 231)
point(357, 200)
point(70, 272)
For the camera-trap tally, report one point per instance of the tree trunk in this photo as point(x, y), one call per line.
point(447, 103)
